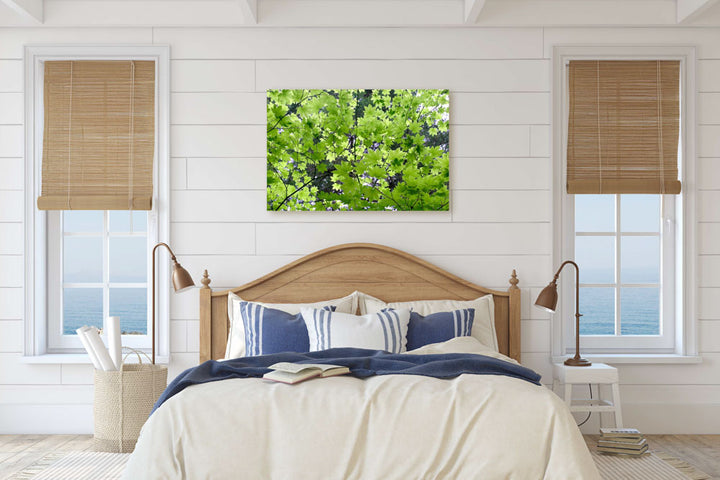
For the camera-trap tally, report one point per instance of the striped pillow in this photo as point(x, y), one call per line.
point(483, 325)
point(377, 331)
point(268, 330)
point(439, 327)
point(236, 335)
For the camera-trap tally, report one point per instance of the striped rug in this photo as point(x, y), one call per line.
point(651, 466)
point(110, 466)
point(75, 466)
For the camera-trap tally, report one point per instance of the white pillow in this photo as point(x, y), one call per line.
point(483, 325)
point(236, 337)
point(377, 331)
point(460, 345)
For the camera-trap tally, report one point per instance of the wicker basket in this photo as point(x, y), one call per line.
point(123, 402)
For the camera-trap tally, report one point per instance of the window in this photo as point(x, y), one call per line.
point(85, 265)
point(626, 285)
point(98, 268)
point(635, 250)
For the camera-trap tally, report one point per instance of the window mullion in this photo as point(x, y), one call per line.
point(106, 267)
point(618, 279)
point(61, 279)
point(661, 287)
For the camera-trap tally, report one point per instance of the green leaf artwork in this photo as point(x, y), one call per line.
point(357, 150)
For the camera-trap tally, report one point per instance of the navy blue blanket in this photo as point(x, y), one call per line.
point(362, 363)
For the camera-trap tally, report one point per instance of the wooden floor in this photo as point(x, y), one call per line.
point(700, 451)
point(19, 451)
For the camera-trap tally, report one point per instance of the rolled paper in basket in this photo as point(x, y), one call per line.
point(96, 343)
point(114, 341)
point(91, 353)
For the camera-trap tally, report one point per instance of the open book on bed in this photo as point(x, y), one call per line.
point(292, 373)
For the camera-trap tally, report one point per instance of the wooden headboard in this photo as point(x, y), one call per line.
point(380, 271)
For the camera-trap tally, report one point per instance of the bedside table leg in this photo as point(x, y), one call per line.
point(617, 405)
point(568, 394)
point(556, 384)
point(601, 415)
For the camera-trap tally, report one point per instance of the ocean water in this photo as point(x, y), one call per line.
point(83, 306)
point(640, 311)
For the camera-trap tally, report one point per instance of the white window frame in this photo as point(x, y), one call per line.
point(56, 340)
point(37, 279)
point(678, 225)
point(663, 343)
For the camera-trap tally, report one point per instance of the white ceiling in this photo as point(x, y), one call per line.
point(342, 13)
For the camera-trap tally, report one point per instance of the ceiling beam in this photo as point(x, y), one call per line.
point(472, 10)
point(249, 10)
point(691, 9)
point(32, 9)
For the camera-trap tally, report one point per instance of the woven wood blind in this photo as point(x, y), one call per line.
point(624, 127)
point(99, 135)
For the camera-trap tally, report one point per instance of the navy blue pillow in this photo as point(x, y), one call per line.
point(439, 327)
point(268, 330)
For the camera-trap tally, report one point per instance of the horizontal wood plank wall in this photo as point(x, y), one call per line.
point(501, 211)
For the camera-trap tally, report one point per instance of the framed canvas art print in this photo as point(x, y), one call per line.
point(356, 150)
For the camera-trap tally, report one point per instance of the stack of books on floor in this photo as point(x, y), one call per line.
point(624, 441)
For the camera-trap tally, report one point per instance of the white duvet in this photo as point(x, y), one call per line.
point(383, 427)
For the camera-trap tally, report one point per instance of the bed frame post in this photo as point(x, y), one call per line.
point(514, 317)
point(205, 319)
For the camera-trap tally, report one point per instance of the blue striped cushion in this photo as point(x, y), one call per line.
point(378, 331)
point(273, 331)
point(439, 327)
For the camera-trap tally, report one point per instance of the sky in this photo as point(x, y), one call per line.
point(83, 254)
point(640, 255)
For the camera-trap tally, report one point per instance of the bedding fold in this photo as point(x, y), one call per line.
point(362, 363)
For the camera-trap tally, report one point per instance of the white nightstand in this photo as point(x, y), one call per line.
point(597, 373)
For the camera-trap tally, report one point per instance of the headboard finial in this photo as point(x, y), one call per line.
point(514, 279)
point(205, 280)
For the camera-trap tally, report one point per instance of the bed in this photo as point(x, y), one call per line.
point(380, 427)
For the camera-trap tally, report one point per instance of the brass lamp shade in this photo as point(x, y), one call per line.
point(181, 279)
point(548, 298)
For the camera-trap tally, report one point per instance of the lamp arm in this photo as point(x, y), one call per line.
point(577, 283)
point(557, 274)
point(577, 286)
point(172, 255)
point(577, 360)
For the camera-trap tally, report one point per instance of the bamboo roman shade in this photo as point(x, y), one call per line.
point(99, 135)
point(624, 126)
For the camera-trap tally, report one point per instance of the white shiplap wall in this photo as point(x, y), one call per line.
point(500, 215)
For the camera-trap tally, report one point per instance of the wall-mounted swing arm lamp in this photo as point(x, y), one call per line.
point(547, 300)
point(181, 280)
